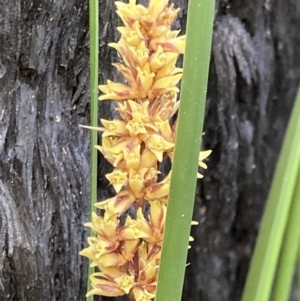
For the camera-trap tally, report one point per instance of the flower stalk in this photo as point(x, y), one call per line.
point(126, 248)
point(94, 61)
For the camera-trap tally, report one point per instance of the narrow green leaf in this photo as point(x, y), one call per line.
point(264, 261)
point(298, 266)
point(185, 165)
point(288, 254)
point(94, 61)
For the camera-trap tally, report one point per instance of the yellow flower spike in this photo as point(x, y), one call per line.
point(118, 179)
point(136, 181)
point(158, 145)
point(125, 282)
point(114, 128)
point(117, 204)
point(134, 145)
point(117, 91)
point(104, 287)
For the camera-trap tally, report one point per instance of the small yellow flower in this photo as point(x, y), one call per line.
point(117, 91)
point(125, 282)
point(117, 204)
point(132, 157)
point(118, 179)
point(136, 182)
point(158, 146)
point(104, 287)
point(114, 128)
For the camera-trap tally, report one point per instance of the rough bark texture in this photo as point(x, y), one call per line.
point(44, 171)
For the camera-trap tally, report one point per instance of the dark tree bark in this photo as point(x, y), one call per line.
point(44, 155)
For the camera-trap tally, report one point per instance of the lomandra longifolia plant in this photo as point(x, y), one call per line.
point(127, 244)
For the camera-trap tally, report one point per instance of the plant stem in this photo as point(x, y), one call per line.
point(94, 61)
point(264, 261)
point(290, 246)
point(184, 169)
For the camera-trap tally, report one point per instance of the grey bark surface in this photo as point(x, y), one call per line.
point(44, 154)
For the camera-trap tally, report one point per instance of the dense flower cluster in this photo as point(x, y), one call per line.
point(126, 249)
